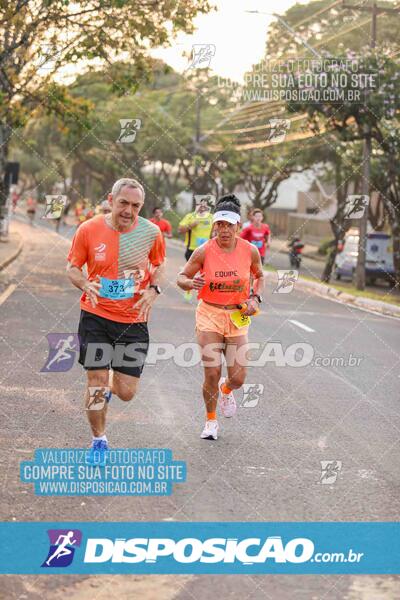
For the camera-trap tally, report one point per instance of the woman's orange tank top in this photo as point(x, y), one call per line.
point(226, 274)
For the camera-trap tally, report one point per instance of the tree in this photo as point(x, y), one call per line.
point(342, 160)
point(40, 37)
point(260, 171)
point(386, 179)
point(329, 29)
point(352, 121)
point(334, 32)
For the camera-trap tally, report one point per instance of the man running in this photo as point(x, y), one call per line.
point(115, 302)
point(163, 224)
point(221, 270)
point(258, 233)
point(197, 227)
point(31, 207)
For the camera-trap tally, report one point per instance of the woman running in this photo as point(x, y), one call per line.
point(221, 270)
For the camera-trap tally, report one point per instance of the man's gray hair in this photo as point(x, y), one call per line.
point(126, 182)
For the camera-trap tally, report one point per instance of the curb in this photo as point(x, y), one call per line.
point(320, 289)
point(13, 256)
point(315, 257)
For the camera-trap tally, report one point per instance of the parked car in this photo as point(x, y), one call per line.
point(378, 261)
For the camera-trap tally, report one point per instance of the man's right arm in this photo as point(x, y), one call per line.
point(77, 257)
point(77, 278)
point(187, 223)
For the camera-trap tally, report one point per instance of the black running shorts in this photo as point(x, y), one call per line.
point(188, 253)
point(106, 344)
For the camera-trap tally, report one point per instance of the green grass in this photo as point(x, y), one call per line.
point(390, 296)
point(385, 295)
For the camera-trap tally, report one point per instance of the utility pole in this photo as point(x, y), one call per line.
point(367, 143)
point(198, 122)
point(196, 141)
point(199, 184)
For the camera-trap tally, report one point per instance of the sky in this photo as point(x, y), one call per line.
point(239, 37)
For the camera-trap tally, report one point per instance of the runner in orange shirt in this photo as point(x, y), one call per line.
point(31, 207)
point(258, 233)
point(163, 224)
point(221, 270)
point(124, 255)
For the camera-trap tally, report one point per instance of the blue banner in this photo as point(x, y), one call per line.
point(200, 548)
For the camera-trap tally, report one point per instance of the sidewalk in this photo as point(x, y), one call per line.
point(11, 249)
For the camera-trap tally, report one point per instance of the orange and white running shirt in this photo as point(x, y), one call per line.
point(226, 274)
point(123, 261)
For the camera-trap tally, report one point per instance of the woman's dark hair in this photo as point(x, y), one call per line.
point(229, 202)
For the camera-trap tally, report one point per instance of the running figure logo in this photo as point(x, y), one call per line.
point(54, 206)
point(129, 129)
point(278, 129)
point(355, 206)
point(330, 469)
point(252, 392)
point(286, 281)
point(62, 350)
point(201, 56)
point(62, 547)
point(205, 199)
point(48, 56)
point(98, 396)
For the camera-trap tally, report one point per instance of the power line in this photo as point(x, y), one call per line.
point(294, 137)
point(259, 127)
point(319, 12)
point(257, 110)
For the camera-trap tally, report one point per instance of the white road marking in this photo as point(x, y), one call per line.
point(302, 326)
point(7, 293)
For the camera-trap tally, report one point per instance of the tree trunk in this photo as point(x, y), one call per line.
point(396, 250)
point(393, 208)
point(338, 224)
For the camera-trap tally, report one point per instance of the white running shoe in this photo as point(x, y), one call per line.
point(227, 401)
point(210, 431)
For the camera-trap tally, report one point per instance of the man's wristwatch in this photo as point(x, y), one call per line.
point(257, 297)
point(156, 287)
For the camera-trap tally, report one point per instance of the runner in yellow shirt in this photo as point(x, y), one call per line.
point(196, 226)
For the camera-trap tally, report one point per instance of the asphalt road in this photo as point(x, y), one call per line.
point(266, 463)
